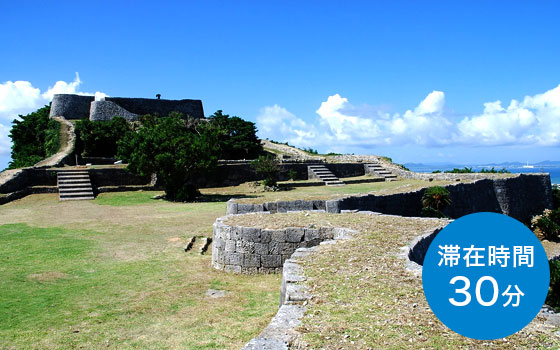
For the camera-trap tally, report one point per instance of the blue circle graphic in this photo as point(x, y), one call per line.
point(485, 276)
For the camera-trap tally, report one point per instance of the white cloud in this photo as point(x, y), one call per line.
point(534, 121)
point(21, 97)
point(5, 142)
point(277, 121)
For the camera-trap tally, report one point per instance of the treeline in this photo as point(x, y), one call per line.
point(34, 137)
point(467, 170)
point(175, 147)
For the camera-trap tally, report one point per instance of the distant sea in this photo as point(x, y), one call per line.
point(552, 170)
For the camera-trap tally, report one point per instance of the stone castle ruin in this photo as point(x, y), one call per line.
point(87, 107)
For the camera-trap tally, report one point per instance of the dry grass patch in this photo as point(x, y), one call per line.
point(249, 193)
point(47, 276)
point(364, 298)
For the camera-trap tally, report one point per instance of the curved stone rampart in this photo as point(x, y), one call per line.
point(71, 106)
point(78, 107)
point(256, 250)
point(162, 107)
point(520, 196)
point(281, 333)
point(107, 110)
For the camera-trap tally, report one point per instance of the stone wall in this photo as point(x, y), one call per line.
point(32, 177)
point(255, 250)
point(162, 108)
point(235, 173)
point(520, 197)
point(71, 106)
point(107, 110)
point(78, 107)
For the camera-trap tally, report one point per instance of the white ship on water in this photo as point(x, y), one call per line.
point(527, 166)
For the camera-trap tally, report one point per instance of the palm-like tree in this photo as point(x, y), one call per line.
point(436, 197)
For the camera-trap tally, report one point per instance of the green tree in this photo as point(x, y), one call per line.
point(268, 168)
point(237, 138)
point(434, 200)
point(100, 138)
point(34, 137)
point(178, 150)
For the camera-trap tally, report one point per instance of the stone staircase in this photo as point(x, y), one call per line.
point(74, 185)
point(321, 172)
point(377, 170)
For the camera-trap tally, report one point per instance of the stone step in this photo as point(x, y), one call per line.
point(69, 181)
point(74, 185)
point(69, 177)
point(76, 194)
point(64, 174)
point(75, 189)
point(335, 183)
point(77, 198)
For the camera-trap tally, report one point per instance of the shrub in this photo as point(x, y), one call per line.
point(430, 212)
point(34, 138)
point(268, 168)
point(292, 174)
point(555, 197)
point(101, 138)
point(435, 198)
point(465, 170)
point(553, 297)
point(494, 171)
point(311, 151)
point(547, 224)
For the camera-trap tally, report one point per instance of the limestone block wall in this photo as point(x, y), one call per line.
point(29, 177)
point(71, 106)
point(520, 197)
point(255, 250)
point(107, 110)
point(162, 107)
point(78, 107)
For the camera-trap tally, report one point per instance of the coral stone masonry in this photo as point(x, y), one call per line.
point(86, 107)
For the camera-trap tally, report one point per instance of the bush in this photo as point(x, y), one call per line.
point(178, 150)
point(555, 197)
point(292, 174)
point(435, 199)
point(311, 151)
point(494, 171)
point(237, 138)
point(101, 138)
point(547, 224)
point(553, 297)
point(268, 168)
point(35, 137)
point(465, 170)
point(430, 212)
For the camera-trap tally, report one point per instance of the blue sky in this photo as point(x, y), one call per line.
point(414, 80)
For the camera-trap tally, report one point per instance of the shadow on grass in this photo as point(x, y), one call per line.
point(220, 197)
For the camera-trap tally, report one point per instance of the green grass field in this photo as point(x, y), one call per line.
point(112, 274)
